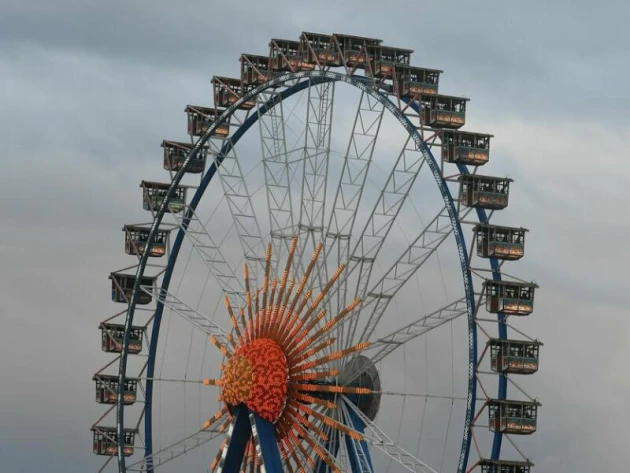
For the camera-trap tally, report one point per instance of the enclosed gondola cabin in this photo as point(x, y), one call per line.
point(286, 56)
point(154, 193)
point(444, 111)
point(201, 118)
point(357, 51)
point(514, 356)
point(107, 389)
point(106, 441)
point(112, 338)
point(122, 288)
point(464, 147)
point(255, 70)
point(386, 57)
point(137, 236)
point(509, 297)
point(417, 81)
point(504, 466)
point(228, 90)
point(319, 49)
point(504, 243)
point(512, 417)
point(485, 192)
point(176, 152)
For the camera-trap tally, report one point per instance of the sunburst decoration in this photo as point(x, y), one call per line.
point(271, 365)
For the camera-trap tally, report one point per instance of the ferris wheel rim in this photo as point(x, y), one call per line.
point(312, 78)
point(482, 216)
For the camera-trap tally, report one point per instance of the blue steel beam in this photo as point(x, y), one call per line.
point(238, 437)
point(265, 436)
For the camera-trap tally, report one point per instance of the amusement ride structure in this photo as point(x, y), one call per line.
point(325, 240)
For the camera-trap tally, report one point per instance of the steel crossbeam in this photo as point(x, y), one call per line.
point(277, 175)
point(356, 164)
point(378, 439)
point(242, 210)
point(316, 154)
point(420, 250)
point(390, 201)
point(212, 256)
point(201, 321)
point(177, 449)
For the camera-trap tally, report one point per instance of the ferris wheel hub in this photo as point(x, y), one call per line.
point(360, 372)
point(257, 376)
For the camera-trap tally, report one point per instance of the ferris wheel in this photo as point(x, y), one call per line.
point(320, 286)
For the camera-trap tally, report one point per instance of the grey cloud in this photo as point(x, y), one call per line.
point(90, 90)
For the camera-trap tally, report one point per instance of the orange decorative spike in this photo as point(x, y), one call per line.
point(283, 313)
point(307, 423)
point(268, 311)
point(330, 422)
point(266, 280)
point(215, 462)
point(211, 382)
point(315, 375)
point(317, 448)
point(291, 328)
point(228, 306)
point(230, 338)
point(332, 357)
point(248, 293)
point(309, 460)
point(303, 333)
point(284, 455)
point(218, 344)
point(289, 445)
point(296, 323)
point(210, 422)
point(287, 268)
point(325, 290)
point(331, 389)
point(328, 325)
point(306, 275)
point(241, 312)
point(313, 351)
point(313, 400)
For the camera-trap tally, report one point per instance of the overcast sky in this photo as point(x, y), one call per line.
point(89, 89)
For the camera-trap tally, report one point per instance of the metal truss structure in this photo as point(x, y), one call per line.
point(310, 211)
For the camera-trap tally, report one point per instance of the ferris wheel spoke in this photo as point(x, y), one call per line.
point(241, 208)
point(316, 154)
point(199, 320)
point(419, 251)
point(391, 199)
point(211, 254)
point(382, 347)
point(376, 438)
point(275, 160)
point(356, 164)
point(420, 395)
point(176, 449)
